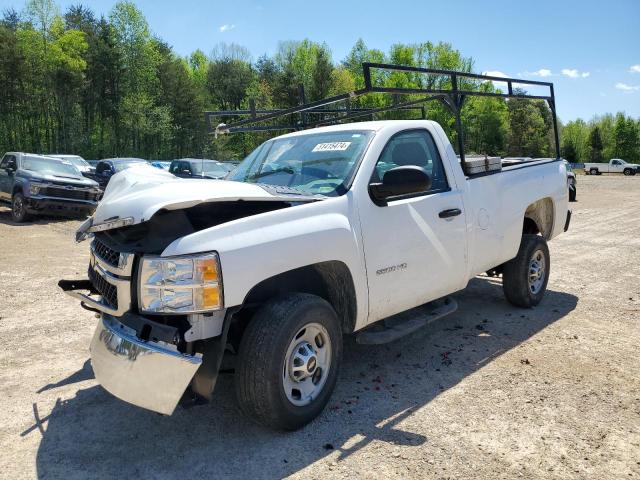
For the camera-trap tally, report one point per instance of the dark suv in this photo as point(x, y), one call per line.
point(33, 184)
point(107, 168)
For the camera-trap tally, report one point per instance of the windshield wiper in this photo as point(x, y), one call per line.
point(288, 170)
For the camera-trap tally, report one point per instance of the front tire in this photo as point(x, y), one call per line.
point(19, 208)
point(525, 277)
point(288, 361)
point(627, 172)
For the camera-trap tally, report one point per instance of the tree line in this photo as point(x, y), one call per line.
point(73, 82)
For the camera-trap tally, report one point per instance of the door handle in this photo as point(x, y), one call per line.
point(452, 212)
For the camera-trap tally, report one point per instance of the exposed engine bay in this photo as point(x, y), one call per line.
point(154, 235)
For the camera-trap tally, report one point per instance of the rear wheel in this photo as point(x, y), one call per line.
point(572, 192)
point(525, 277)
point(19, 208)
point(288, 361)
point(627, 172)
point(593, 171)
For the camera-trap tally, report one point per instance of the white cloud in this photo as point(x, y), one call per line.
point(634, 68)
point(495, 73)
point(574, 73)
point(627, 88)
point(543, 72)
point(226, 27)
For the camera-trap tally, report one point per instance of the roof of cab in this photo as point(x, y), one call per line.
point(376, 125)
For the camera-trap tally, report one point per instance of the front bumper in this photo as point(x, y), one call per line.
point(57, 205)
point(145, 373)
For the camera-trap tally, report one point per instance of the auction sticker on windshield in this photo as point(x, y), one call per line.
point(331, 147)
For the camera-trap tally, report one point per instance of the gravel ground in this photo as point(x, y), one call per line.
point(489, 392)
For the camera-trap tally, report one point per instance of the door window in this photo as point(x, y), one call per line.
point(6, 160)
point(413, 147)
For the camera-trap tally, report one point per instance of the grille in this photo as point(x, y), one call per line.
point(108, 292)
point(105, 253)
point(70, 194)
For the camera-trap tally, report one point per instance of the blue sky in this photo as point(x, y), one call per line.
point(590, 49)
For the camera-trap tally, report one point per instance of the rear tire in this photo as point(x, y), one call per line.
point(572, 193)
point(627, 172)
point(19, 208)
point(593, 171)
point(525, 277)
point(288, 361)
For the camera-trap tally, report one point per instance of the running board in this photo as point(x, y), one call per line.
point(397, 326)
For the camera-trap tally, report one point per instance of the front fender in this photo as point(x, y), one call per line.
point(256, 248)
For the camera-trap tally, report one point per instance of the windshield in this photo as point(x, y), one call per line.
point(313, 163)
point(53, 167)
point(120, 166)
point(212, 167)
point(77, 161)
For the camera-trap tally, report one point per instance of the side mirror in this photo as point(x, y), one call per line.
point(400, 181)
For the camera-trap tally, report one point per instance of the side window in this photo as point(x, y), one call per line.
point(5, 161)
point(414, 147)
point(616, 162)
point(173, 168)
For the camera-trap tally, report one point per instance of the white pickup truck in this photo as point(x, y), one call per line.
point(361, 228)
point(615, 165)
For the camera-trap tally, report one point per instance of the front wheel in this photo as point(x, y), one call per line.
point(288, 361)
point(19, 208)
point(627, 172)
point(524, 279)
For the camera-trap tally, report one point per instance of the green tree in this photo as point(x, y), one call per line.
point(595, 144)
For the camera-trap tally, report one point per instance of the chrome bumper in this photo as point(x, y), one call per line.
point(146, 374)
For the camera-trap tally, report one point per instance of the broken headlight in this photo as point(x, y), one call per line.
point(185, 284)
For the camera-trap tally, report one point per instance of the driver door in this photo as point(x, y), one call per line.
point(415, 247)
point(6, 178)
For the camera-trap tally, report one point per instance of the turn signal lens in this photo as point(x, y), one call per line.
point(209, 298)
point(207, 270)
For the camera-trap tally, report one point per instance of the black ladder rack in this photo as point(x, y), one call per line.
point(453, 98)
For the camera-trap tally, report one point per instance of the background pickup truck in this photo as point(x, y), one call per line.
point(615, 165)
point(364, 227)
point(35, 184)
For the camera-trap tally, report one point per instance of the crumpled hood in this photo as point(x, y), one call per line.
point(139, 192)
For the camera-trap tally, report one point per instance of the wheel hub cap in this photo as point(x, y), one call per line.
point(307, 364)
point(537, 271)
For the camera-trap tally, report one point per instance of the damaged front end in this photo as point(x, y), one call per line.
point(163, 322)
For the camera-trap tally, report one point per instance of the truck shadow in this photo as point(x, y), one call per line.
point(96, 435)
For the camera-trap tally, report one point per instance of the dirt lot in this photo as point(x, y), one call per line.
point(490, 392)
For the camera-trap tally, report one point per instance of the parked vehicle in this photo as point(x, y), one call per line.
point(161, 164)
point(362, 228)
point(572, 182)
point(80, 163)
point(35, 184)
point(108, 167)
point(198, 168)
point(615, 165)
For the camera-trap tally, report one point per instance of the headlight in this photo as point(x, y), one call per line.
point(186, 284)
point(34, 188)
